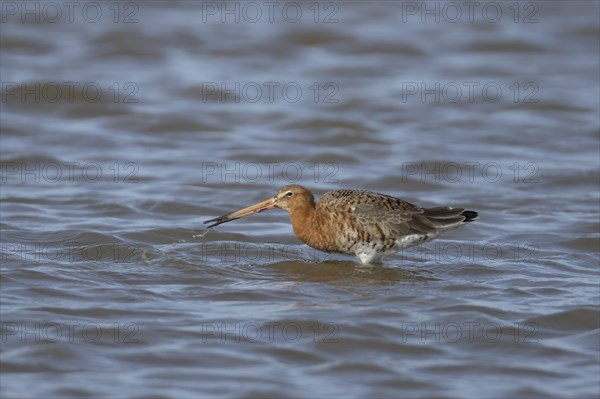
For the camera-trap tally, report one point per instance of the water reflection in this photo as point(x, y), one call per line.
point(346, 273)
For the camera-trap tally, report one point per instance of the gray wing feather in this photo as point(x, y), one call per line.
point(417, 221)
point(390, 215)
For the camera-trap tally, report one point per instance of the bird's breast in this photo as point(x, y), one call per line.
point(340, 231)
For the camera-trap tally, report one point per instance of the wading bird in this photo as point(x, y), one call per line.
point(357, 222)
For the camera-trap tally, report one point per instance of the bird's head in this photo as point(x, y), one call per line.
point(288, 198)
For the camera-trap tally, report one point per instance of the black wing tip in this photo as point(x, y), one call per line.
point(470, 216)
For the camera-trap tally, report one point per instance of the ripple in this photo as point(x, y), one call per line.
point(506, 46)
point(581, 319)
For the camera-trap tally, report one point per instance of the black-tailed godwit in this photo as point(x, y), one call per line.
point(357, 222)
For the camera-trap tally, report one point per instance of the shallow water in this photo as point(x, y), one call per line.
point(119, 137)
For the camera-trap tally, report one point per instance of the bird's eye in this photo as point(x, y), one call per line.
point(289, 194)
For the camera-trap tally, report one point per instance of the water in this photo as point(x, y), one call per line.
point(120, 138)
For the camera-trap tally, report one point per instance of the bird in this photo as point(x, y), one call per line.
point(363, 223)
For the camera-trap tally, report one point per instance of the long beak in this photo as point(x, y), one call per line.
point(251, 210)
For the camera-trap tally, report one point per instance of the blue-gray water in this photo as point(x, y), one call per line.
point(125, 125)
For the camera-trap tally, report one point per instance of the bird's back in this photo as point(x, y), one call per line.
point(378, 201)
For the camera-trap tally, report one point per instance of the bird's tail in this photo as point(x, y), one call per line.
point(446, 218)
point(470, 216)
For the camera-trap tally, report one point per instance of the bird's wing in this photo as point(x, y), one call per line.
point(389, 215)
point(393, 222)
point(408, 219)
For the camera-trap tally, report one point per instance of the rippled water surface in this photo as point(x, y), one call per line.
point(125, 125)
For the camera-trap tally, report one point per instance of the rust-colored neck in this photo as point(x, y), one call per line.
point(303, 218)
